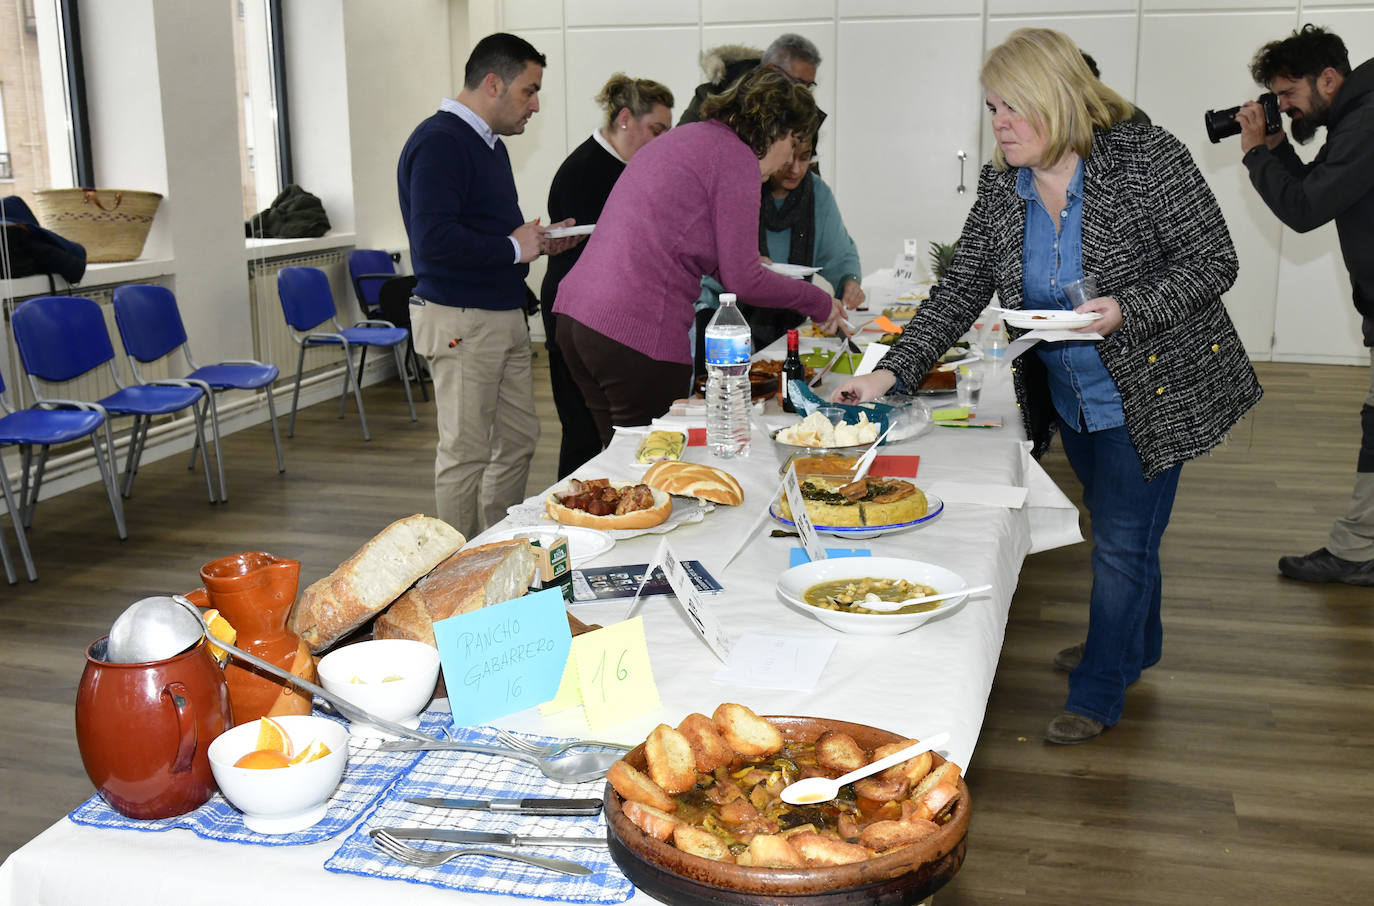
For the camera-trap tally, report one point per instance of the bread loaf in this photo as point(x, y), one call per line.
point(691, 479)
point(470, 579)
point(365, 583)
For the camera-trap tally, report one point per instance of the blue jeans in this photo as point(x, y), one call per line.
point(1129, 515)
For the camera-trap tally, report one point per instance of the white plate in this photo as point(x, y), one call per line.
point(584, 544)
point(795, 271)
point(582, 229)
point(792, 586)
point(934, 507)
point(1032, 318)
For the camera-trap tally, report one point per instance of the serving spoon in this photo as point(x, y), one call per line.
point(175, 624)
point(822, 789)
point(891, 606)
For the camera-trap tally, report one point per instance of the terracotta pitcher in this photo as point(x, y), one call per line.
point(144, 729)
point(255, 591)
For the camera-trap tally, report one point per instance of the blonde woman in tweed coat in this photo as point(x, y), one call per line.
point(1073, 189)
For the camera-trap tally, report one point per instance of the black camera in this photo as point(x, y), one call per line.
point(1221, 123)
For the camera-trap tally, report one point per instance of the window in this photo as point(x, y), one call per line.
point(264, 137)
point(44, 139)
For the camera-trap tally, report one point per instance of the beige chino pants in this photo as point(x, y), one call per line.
point(484, 397)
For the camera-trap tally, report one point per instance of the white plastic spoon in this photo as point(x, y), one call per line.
point(823, 789)
point(866, 461)
point(890, 606)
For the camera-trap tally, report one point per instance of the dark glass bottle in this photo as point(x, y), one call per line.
point(792, 369)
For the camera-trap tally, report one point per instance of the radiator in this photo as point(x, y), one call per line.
point(272, 340)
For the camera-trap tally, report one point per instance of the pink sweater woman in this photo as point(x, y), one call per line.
point(686, 205)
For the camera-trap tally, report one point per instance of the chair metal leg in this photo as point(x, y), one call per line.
point(25, 460)
point(415, 363)
point(405, 381)
point(111, 479)
point(272, 417)
point(348, 374)
point(31, 500)
point(357, 391)
point(191, 462)
point(295, 396)
point(214, 433)
point(136, 440)
point(204, 458)
point(17, 520)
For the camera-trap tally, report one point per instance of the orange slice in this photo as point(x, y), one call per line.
point(262, 759)
point(220, 629)
point(272, 737)
point(312, 752)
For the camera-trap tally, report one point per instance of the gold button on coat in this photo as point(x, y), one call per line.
point(1151, 360)
point(1216, 348)
point(1159, 391)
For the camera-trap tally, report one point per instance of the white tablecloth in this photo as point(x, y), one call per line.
point(935, 678)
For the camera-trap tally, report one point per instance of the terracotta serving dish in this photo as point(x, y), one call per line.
point(907, 875)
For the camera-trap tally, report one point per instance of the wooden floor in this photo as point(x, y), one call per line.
point(1242, 773)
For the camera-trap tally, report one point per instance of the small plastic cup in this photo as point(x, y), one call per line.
point(833, 414)
point(968, 385)
point(1080, 291)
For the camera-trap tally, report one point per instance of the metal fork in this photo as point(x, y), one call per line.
point(579, 768)
point(431, 858)
point(515, 742)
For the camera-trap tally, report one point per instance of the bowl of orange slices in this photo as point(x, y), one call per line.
point(280, 772)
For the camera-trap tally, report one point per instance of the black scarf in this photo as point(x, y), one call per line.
point(796, 213)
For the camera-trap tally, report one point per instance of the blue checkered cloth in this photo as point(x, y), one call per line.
point(462, 774)
point(368, 775)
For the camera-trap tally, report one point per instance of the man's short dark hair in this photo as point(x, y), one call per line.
point(502, 54)
point(1304, 54)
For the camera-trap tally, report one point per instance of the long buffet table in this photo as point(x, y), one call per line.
point(935, 678)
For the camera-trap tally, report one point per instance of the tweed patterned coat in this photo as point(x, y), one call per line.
point(1155, 238)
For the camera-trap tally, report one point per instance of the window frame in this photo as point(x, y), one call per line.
point(74, 68)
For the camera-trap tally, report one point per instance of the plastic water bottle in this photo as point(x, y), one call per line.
point(727, 381)
point(995, 346)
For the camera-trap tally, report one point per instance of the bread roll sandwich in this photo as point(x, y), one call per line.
point(473, 578)
point(377, 574)
point(600, 503)
point(691, 479)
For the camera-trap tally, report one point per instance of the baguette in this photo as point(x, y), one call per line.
point(659, 506)
point(377, 574)
point(470, 579)
point(691, 479)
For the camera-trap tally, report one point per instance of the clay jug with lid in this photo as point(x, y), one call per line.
point(144, 729)
point(254, 592)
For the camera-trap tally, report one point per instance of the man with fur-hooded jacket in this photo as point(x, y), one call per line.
point(791, 53)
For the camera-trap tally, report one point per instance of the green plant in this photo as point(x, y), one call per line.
point(941, 257)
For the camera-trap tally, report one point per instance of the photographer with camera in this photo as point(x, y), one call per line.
point(1310, 73)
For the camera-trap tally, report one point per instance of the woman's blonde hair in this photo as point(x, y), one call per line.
point(1042, 75)
point(636, 95)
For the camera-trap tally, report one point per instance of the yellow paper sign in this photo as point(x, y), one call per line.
point(609, 674)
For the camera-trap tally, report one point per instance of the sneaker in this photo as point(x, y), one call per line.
point(1068, 729)
point(1323, 566)
point(1069, 659)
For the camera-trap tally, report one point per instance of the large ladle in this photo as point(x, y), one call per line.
point(823, 789)
point(175, 617)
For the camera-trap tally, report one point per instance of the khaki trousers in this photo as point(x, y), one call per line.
point(1352, 537)
point(484, 397)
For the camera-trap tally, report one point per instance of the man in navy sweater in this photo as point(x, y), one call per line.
point(471, 247)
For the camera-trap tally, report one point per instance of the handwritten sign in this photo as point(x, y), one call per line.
point(503, 658)
point(609, 675)
point(792, 488)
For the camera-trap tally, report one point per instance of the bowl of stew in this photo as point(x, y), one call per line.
point(832, 592)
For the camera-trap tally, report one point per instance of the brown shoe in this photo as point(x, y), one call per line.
point(1070, 729)
point(1069, 659)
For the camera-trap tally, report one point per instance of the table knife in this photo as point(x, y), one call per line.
point(445, 835)
point(518, 806)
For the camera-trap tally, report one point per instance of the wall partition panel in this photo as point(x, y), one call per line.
point(578, 13)
point(536, 154)
point(909, 102)
point(1315, 320)
point(667, 55)
point(518, 15)
point(765, 10)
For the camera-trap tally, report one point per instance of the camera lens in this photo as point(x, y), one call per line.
point(1221, 123)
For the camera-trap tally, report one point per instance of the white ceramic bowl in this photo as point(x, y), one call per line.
point(281, 800)
point(359, 673)
point(792, 586)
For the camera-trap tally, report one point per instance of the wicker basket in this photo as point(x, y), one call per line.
point(112, 224)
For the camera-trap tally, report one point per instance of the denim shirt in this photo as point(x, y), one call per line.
point(1083, 393)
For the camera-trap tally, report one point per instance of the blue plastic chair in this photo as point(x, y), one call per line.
point(42, 427)
point(308, 303)
point(150, 325)
point(60, 338)
point(372, 272)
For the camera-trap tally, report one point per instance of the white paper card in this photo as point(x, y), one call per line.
point(698, 614)
point(810, 541)
point(763, 661)
point(873, 354)
point(748, 536)
point(1012, 498)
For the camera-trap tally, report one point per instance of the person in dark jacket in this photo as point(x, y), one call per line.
point(791, 53)
point(1076, 190)
point(637, 111)
point(1310, 73)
